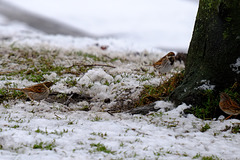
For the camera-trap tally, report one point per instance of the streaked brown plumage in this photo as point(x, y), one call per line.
point(166, 63)
point(228, 106)
point(36, 92)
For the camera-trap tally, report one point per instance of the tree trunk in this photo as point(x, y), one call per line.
point(213, 53)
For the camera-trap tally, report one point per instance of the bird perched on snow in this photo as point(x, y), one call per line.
point(165, 64)
point(228, 106)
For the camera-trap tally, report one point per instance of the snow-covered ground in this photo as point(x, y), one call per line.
point(155, 23)
point(98, 135)
point(50, 131)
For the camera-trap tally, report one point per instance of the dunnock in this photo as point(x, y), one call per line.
point(228, 106)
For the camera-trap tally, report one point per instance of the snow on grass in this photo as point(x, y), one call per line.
point(235, 67)
point(206, 85)
point(33, 130)
point(27, 134)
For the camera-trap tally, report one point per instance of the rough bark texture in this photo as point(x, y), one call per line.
point(214, 47)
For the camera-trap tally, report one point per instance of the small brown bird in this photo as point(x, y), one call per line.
point(228, 106)
point(37, 92)
point(166, 63)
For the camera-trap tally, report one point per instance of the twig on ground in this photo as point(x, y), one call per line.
point(93, 65)
point(1, 73)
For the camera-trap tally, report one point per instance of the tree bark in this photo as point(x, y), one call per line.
point(213, 52)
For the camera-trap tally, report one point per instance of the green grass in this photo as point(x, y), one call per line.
point(152, 93)
point(96, 118)
point(88, 56)
point(197, 156)
point(6, 95)
point(71, 82)
point(38, 64)
point(205, 127)
point(34, 65)
point(210, 158)
point(53, 132)
point(102, 135)
point(44, 145)
point(99, 147)
point(209, 108)
point(15, 126)
point(41, 131)
point(235, 128)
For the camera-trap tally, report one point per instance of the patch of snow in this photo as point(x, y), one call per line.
point(163, 105)
point(74, 134)
point(235, 66)
point(50, 77)
point(96, 75)
point(206, 85)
